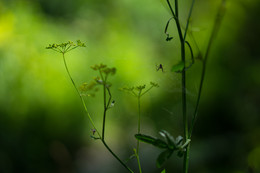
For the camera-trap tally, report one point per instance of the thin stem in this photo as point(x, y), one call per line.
point(110, 97)
point(105, 111)
point(138, 160)
point(176, 8)
point(184, 107)
point(146, 91)
point(91, 121)
point(138, 131)
point(64, 60)
point(214, 32)
point(170, 6)
point(129, 170)
point(139, 122)
point(81, 98)
point(188, 20)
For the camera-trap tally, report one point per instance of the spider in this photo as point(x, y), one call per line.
point(159, 67)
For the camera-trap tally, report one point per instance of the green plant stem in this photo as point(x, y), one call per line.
point(110, 97)
point(138, 131)
point(184, 102)
point(104, 115)
point(64, 60)
point(188, 20)
point(138, 161)
point(81, 98)
point(139, 123)
point(105, 144)
point(217, 23)
point(170, 6)
point(184, 106)
point(146, 91)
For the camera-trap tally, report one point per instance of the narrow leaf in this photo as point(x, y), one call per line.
point(145, 138)
point(165, 155)
point(178, 140)
point(163, 171)
point(178, 67)
point(169, 138)
point(150, 140)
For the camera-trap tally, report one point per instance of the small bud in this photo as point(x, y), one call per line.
point(112, 104)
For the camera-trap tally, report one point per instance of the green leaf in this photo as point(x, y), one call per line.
point(150, 140)
point(163, 171)
point(165, 155)
point(178, 67)
point(169, 138)
point(178, 141)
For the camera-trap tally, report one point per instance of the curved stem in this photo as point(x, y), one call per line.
point(129, 170)
point(219, 17)
point(64, 60)
point(188, 20)
point(91, 121)
point(81, 98)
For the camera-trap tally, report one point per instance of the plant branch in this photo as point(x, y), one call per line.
point(91, 121)
point(217, 23)
point(81, 98)
point(170, 6)
point(146, 91)
point(184, 106)
point(188, 20)
point(129, 170)
point(110, 97)
point(105, 111)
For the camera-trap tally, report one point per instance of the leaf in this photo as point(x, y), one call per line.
point(178, 67)
point(178, 141)
point(163, 171)
point(169, 138)
point(165, 155)
point(150, 140)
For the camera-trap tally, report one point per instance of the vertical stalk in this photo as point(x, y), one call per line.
point(184, 106)
point(139, 123)
point(218, 20)
point(104, 115)
point(138, 131)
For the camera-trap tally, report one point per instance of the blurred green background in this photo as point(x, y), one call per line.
point(43, 127)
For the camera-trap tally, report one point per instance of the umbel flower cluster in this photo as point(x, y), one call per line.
point(65, 47)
